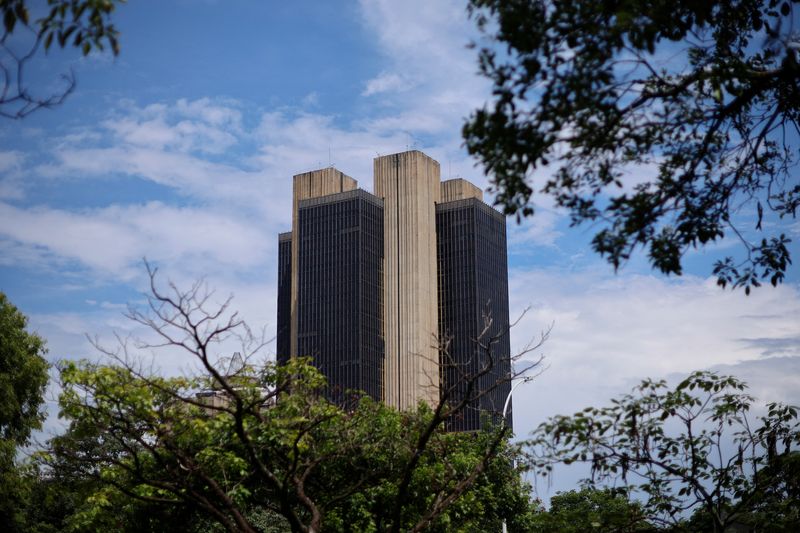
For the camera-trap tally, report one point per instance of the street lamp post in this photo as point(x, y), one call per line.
point(522, 380)
point(508, 398)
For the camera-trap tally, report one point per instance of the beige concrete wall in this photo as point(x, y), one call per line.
point(310, 185)
point(459, 189)
point(409, 184)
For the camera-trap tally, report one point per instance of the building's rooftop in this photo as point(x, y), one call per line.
point(341, 197)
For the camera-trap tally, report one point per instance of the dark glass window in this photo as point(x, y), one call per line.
point(340, 291)
point(284, 296)
point(473, 287)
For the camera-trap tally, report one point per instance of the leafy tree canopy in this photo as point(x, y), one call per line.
point(579, 511)
point(146, 441)
point(685, 449)
point(667, 124)
point(23, 378)
point(83, 24)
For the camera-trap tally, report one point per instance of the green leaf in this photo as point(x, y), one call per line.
point(10, 20)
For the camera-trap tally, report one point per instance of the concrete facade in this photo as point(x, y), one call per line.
point(409, 185)
point(459, 189)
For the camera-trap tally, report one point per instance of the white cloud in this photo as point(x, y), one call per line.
point(187, 126)
point(419, 33)
point(311, 99)
point(201, 148)
point(11, 183)
point(769, 380)
point(539, 230)
point(386, 82)
point(610, 331)
point(431, 81)
point(304, 141)
point(11, 189)
point(10, 160)
point(188, 174)
point(221, 113)
point(111, 241)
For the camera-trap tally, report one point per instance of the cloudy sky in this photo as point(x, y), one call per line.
point(182, 149)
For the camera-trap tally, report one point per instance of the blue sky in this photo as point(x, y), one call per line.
point(182, 150)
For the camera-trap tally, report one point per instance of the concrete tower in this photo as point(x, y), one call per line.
point(409, 184)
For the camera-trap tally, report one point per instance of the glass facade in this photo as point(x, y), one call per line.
point(473, 286)
point(282, 341)
point(340, 291)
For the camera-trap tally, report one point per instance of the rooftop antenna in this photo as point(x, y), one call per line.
point(236, 364)
point(410, 140)
point(330, 159)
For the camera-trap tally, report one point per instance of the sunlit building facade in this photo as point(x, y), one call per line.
point(389, 292)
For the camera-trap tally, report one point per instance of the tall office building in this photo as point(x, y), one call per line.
point(473, 305)
point(340, 290)
point(283, 345)
point(369, 285)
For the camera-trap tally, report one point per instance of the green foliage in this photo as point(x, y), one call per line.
point(61, 502)
point(776, 495)
point(84, 24)
point(148, 439)
point(13, 491)
point(23, 378)
point(687, 448)
point(696, 102)
point(594, 510)
point(263, 520)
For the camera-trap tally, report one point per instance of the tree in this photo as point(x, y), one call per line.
point(84, 24)
point(592, 510)
point(776, 495)
point(668, 124)
point(775, 498)
point(60, 499)
point(681, 450)
point(23, 378)
point(244, 437)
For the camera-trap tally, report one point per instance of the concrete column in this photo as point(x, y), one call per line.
point(409, 184)
point(459, 189)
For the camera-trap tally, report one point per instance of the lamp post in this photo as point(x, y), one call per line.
point(508, 398)
point(505, 412)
